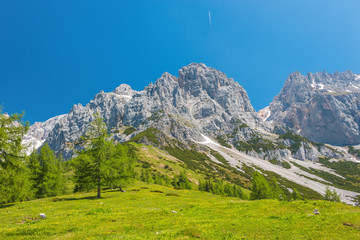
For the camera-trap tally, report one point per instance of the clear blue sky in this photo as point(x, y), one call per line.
point(54, 54)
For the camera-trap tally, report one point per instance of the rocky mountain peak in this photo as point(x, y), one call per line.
point(321, 106)
point(198, 74)
point(124, 89)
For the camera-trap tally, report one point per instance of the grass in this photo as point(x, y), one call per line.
point(157, 212)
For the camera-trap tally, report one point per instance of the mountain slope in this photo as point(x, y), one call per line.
point(201, 99)
point(179, 115)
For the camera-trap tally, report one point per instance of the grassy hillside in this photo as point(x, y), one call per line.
point(196, 170)
point(157, 212)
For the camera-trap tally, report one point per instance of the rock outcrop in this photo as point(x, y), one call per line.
point(322, 107)
point(200, 101)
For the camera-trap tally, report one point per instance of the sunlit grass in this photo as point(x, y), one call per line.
point(141, 213)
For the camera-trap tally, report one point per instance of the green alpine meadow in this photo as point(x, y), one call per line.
point(181, 119)
point(148, 211)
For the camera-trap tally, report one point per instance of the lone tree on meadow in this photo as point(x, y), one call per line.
point(101, 162)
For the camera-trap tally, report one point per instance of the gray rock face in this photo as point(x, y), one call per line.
point(39, 132)
point(322, 107)
point(200, 100)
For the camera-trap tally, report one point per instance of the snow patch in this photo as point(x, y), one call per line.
point(313, 84)
point(125, 96)
point(208, 141)
point(354, 86)
point(264, 113)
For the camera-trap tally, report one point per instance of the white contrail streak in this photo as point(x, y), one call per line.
point(210, 20)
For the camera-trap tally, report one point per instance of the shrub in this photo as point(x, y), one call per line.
point(223, 142)
point(129, 130)
point(332, 196)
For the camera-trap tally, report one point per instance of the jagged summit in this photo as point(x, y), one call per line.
point(200, 100)
point(325, 82)
point(321, 106)
point(123, 89)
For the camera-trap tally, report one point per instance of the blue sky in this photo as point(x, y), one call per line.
point(54, 54)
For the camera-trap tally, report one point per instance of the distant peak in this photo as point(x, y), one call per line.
point(167, 75)
point(191, 65)
point(123, 88)
point(296, 74)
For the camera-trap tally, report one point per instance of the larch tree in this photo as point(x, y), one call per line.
point(260, 188)
point(101, 162)
point(46, 173)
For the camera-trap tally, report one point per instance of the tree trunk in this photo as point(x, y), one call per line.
point(120, 189)
point(99, 189)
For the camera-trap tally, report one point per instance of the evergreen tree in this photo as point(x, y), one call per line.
point(100, 162)
point(46, 173)
point(122, 167)
point(167, 180)
point(14, 177)
point(295, 195)
point(149, 176)
point(332, 196)
point(181, 181)
point(184, 181)
point(277, 193)
point(260, 187)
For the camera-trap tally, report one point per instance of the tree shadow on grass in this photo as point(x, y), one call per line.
point(75, 199)
point(6, 205)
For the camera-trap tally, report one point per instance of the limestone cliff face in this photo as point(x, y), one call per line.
point(322, 107)
point(200, 100)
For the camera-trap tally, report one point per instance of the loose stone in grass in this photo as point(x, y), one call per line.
point(173, 211)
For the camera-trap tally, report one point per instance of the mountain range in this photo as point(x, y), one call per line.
point(204, 110)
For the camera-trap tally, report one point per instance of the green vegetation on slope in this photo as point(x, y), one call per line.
point(129, 130)
point(256, 144)
point(354, 151)
point(157, 212)
point(148, 134)
point(297, 140)
point(283, 164)
point(223, 142)
point(349, 170)
point(201, 163)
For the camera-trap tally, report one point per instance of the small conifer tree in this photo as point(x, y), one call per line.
point(46, 173)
